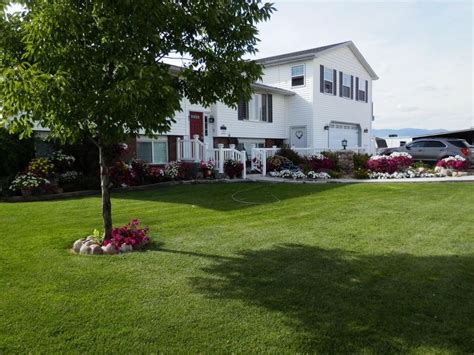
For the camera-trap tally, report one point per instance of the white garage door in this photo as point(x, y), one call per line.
point(340, 131)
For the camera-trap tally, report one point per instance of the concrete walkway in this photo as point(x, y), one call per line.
point(260, 178)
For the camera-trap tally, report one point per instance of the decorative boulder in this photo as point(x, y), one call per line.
point(77, 245)
point(96, 249)
point(109, 249)
point(126, 248)
point(85, 249)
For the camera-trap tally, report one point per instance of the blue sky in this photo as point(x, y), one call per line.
point(421, 50)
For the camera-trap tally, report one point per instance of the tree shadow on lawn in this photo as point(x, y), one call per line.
point(227, 197)
point(341, 302)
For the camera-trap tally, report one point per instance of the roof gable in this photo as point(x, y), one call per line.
point(316, 52)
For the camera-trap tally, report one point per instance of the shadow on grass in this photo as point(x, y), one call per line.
point(340, 302)
point(227, 197)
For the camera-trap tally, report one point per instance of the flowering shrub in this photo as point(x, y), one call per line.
point(61, 161)
point(176, 170)
point(41, 167)
point(155, 174)
point(68, 177)
point(319, 162)
point(207, 165)
point(297, 174)
point(139, 170)
point(129, 234)
point(121, 175)
point(316, 175)
point(410, 173)
point(395, 162)
point(233, 168)
point(28, 181)
point(455, 163)
point(274, 163)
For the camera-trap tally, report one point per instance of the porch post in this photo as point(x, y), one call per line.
point(178, 149)
point(196, 147)
point(243, 160)
point(221, 157)
point(252, 157)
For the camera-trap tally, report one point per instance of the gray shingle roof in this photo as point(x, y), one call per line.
point(299, 53)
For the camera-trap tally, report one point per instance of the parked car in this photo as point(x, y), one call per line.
point(434, 149)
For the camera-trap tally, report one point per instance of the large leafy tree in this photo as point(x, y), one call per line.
point(94, 68)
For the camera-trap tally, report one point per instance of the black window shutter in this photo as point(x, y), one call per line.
point(241, 110)
point(321, 78)
point(334, 78)
point(264, 107)
point(340, 83)
point(352, 87)
point(357, 89)
point(270, 108)
point(366, 91)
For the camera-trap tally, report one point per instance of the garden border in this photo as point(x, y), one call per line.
point(66, 195)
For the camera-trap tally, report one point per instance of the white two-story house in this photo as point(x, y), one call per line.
point(308, 99)
point(313, 98)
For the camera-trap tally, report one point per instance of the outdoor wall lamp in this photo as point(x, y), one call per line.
point(211, 119)
point(326, 128)
point(366, 130)
point(223, 128)
point(344, 144)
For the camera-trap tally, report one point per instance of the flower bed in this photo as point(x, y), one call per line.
point(456, 163)
point(299, 175)
point(389, 164)
point(233, 168)
point(130, 237)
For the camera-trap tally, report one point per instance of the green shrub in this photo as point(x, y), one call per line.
point(291, 155)
point(361, 173)
point(334, 174)
point(15, 153)
point(5, 182)
point(360, 161)
point(332, 156)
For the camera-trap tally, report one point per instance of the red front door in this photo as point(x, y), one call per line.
point(196, 124)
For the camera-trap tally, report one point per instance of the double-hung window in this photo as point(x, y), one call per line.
point(243, 110)
point(328, 81)
point(153, 151)
point(346, 85)
point(361, 90)
point(264, 107)
point(297, 75)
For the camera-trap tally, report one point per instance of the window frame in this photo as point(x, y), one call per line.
point(360, 89)
point(300, 76)
point(349, 77)
point(153, 141)
point(331, 82)
point(260, 108)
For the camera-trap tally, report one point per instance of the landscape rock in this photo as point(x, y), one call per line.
point(77, 245)
point(126, 248)
point(109, 249)
point(85, 249)
point(96, 249)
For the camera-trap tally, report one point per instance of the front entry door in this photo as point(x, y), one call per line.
point(196, 124)
point(298, 137)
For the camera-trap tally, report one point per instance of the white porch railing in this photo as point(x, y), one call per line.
point(191, 149)
point(260, 155)
point(196, 151)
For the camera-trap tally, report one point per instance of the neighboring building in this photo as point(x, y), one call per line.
point(467, 134)
point(313, 98)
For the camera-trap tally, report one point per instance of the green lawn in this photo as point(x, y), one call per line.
point(367, 268)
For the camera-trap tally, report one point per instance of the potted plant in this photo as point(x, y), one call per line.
point(207, 168)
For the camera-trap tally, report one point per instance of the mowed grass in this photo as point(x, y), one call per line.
point(331, 268)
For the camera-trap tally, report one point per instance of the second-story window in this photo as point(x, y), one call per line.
point(297, 75)
point(328, 81)
point(362, 90)
point(346, 85)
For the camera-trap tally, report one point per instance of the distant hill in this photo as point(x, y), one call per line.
point(406, 132)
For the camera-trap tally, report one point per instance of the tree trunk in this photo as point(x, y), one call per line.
point(104, 185)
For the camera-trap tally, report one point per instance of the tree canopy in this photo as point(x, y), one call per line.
point(96, 68)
